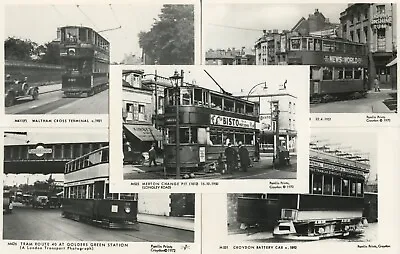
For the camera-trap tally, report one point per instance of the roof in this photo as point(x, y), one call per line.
point(218, 55)
point(11, 139)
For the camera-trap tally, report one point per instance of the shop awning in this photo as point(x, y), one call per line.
point(393, 62)
point(144, 132)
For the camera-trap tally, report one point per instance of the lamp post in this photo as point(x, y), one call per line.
point(275, 118)
point(251, 90)
point(175, 79)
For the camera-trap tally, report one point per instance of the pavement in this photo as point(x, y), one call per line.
point(373, 103)
point(26, 223)
point(262, 169)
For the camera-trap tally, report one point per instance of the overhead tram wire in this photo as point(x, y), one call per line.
point(77, 6)
point(59, 13)
point(236, 27)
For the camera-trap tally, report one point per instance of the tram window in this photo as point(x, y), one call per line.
point(359, 48)
point(338, 73)
point(83, 34)
point(248, 139)
point(83, 192)
point(311, 44)
point(193, 135)
point(294, 44)
point(216, 137)
point(359, 189)
point(202, 136)
point(345, 187)
point(348, 73)
point(228, 105)
point(357, 73)
point(317, 184)
point(187, 97)
point(86, 148)
point(336, 185)
point(90, 191)
point(76, 148)
point(328, 46)
point(327, 185)
point(171, 136)
point(353, 186)
point(104, 155)
point(229, 138)
point(184, 135)
point(198, 97)
point(216, 101)
point(239, 137)
point(73, 191)
point(239, 108)
point(249, 109)
point(318, 44)
point(314, 73)
point(304, 44)
point(327, 73)
point(127, 196)
point(99, 190)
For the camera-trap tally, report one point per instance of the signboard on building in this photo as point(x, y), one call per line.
point(231, 121)
point(202, 154)
point(39, 151)
point(343, 59)
point(381, 21)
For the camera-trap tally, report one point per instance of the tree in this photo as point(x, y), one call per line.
point(17, 49)
point(50, 53)
point(171, 38)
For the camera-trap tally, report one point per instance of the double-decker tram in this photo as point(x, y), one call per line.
point(338, 67)
point(87, 197)
point(86, 57)
point(208, 121)
point(334, 206)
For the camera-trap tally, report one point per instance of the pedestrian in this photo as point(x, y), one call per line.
point(152, 156)
point(220, 164)
point(244, 157)
point(257, 150)
point(376, 83)
point(230, 154)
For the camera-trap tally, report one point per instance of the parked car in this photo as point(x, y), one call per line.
point(19, 89)
point(7, 202)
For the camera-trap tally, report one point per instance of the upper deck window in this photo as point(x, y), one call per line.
point(187, 96)
point(328, 46)
point(327, 73)
point(249, 109)
point(311, 44)
point(327, 185)
point(83, 34)
point(345, 187)
point(317, 184)
point(239, 108)
point(216, 101)
point(295, 44)
point(318, 43)
point(71, 34)
point(304, 43)
point(336, 186)
point(198, 97)
point(229, 105)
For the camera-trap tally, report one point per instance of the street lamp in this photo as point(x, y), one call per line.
point(251, 90)
point(175, 79)
point(275, 118)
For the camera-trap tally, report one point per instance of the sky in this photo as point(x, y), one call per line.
point(361, 141)
point(39, 22)
point(249, 76)
point(256, 16)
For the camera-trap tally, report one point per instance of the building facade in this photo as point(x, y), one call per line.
point(243, 56)
point(287, 120)
point(374, 24)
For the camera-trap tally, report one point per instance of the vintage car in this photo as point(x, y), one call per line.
point(19, 89)
point(7, 202)
point(41, 201)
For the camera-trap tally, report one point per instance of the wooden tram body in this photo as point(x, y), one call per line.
point(86, 57)
point(87, 197)
point(338, 68)
point(208, 121)
point(333, 207)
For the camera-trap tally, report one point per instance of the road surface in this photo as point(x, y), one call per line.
point(52, 101)
point(26, 223)
point(260, 170)
point(373, 103)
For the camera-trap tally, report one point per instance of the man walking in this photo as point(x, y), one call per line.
point(244, 157)
point(376, 83)
point(230, 155)
point(152, 156)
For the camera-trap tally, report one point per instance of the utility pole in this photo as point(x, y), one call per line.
point(275, 118)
